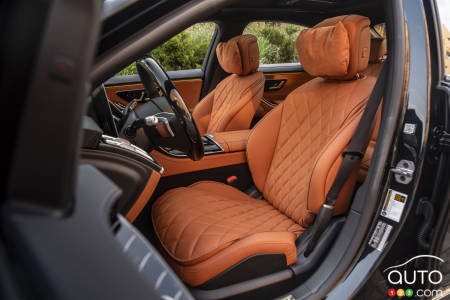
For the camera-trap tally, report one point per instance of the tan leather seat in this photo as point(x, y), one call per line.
point(293, 153)
point(232, 104)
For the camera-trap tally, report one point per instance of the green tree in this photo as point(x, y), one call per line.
point(184, 51)
point(276, 41)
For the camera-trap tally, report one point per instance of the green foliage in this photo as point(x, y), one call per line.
point(276, 41)
point(181, 52)
point(186, 50)
point(130, 70)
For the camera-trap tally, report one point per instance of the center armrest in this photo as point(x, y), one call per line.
point(232, 141)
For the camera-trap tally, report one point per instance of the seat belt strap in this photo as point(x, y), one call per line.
point(352, 155)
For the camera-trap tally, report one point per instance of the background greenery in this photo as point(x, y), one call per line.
point(187, 49)
point(276, 41)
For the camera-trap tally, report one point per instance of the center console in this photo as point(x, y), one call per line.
point(222, 149)
point(209, 144)
point(137, 172)
point(217, 143)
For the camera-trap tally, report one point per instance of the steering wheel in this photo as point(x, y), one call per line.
point(158, 85)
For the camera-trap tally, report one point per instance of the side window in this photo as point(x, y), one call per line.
point(380, 29)
point(276, 41)
point(184, 51)
point(444, 17)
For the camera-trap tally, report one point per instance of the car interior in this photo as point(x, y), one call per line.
point(228, 193)
point(224, 169)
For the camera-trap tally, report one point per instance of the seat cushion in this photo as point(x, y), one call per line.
point(207, 219)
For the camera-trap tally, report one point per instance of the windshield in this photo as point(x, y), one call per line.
point(110, 7)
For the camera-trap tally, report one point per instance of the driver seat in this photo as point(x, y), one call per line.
point(293, 154)
point(232, 104)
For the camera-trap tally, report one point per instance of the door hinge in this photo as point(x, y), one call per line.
point(441, 140)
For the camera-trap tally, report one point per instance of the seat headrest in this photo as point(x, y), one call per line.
point(239, 55)
point(378, 49)
point(336, 48)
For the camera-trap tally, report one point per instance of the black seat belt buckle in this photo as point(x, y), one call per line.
point(353, 154)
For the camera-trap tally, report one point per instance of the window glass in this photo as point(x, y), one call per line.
point(276, 41)
point(444, 16)
point(110, 7)
point(184, 51)
point(381, 30)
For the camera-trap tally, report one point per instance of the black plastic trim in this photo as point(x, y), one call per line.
point(243, 287)
point(77, 256)
point(129, 174)
point(252, 267)
point(253, 288)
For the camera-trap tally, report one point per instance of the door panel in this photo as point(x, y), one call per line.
point(291, 82)
point(281, 80)
point(190, 90)
point(120, 90)
point(120, 95)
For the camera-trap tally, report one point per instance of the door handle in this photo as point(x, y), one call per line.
point(274, 84)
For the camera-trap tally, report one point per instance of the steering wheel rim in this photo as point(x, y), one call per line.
point(151, 73)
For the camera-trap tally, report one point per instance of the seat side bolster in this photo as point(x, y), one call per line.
point(202, 112)
point(258, 243)
point(261, 145)
point(326, 167)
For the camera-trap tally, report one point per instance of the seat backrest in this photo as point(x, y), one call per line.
point(294, 152)
point(232, 104)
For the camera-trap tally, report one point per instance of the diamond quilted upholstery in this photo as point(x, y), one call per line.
point(311, 117)
point(198, 221)
point(231, 105)
point(293, 154)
